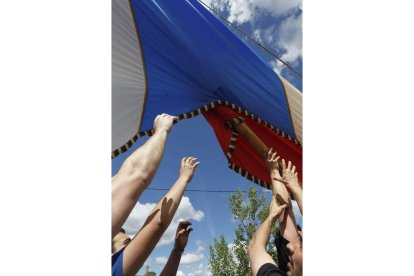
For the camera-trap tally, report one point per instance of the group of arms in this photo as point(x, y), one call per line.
point(137, 172)
point(284, 178)
point(134, 176)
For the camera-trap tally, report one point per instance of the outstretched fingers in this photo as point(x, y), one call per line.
point(184, 228)
point(269, 153)
point(184, 224)
point(274, 156)
point(283, 164)
point(277, 159)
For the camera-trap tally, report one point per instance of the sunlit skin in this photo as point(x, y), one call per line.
point(137, 172)
point(140, 247)
point(295, 258)
point(120, 241)
point(280, 208)
point(257, 246)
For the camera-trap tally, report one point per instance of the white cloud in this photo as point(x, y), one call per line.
point(200, 246)
point(277, 66)
point(257, 35)
point(289, 38)
point(201, 270)
point(161, 260)
point(180, 273)
point(191, 258)
point(218, 5)
point(187, 258)
point(242, 11)
point(277, 7)
point(194, 257)
point(140, 213)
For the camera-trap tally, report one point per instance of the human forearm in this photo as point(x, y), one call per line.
point(280, 192)
point(144, 162)
point(172, 264)
point(159, 219)
point(297, 194)
point(262, 234)
point(134, 177)
point(154, 227)
point(288, 225)
point(165, 209)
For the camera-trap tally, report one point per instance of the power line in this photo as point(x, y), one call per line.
point(252, 39)
point(198, 190)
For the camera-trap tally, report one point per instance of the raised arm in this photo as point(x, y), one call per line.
point(181, 239)
point(141, 246)
point(278, 189)
point(290, 179)
point(288, 221)
point(257, 246)
point(137, 171)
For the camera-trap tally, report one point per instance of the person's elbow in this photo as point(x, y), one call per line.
point(136, 171)
point(252, 248)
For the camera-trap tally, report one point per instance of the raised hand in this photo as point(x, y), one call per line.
point(181, 235)
point(164, 122)
point(272, 162)
point(289, 175)
point(188, 166)
point(276, 210)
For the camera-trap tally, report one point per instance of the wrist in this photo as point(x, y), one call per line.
point(161, 131)
point(294, 187)
point(184, 178)
point(276, 177)
point(272, 218)
point(177, 250)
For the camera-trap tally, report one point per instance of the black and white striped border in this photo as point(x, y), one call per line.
point(229, 154)
point(200, 110)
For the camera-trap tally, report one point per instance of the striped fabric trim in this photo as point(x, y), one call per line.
point(232, 145)
point(197, 112)
point(239, 170)
point(234, 122)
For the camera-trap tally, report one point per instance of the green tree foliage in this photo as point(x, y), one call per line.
point(249, 212)
point(220, 254)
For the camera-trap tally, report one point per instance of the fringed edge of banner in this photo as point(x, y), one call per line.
point(201, 110)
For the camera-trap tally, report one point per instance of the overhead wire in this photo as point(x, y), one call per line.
point(252, 39)
point(201, 190)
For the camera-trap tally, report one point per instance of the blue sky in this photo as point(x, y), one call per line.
point(275, 24)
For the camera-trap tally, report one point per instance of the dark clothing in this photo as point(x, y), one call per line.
point(282, 252)
point(269, 270)
point(117, 263)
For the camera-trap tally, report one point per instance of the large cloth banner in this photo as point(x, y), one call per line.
point(176, 57)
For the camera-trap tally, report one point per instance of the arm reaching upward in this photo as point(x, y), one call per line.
point(137, 171)
point(257, 246)
point(181, 239)
point(278, 189)
point(288, 221)
point(141, 246)
point(290, 179)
